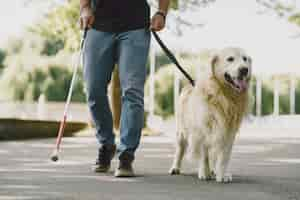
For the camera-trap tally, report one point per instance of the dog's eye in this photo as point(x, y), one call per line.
point(245, 59)
point(230, 59)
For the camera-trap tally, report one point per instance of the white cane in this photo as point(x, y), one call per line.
point(54, 155)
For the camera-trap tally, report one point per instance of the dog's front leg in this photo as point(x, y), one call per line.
point(179, 153)
point(222, 161)
point(212, 163)
point(203, 171)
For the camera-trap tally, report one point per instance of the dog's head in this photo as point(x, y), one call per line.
point(232, 67)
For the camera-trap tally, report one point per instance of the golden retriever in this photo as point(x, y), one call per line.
point(210, 114)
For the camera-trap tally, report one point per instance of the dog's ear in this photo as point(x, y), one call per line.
point(208, 58)
point(250, 60)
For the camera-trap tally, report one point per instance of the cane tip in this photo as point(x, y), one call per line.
point(54, 157)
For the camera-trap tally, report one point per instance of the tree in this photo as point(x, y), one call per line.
point(284, 9)
point(60, 25)
point(281, 8)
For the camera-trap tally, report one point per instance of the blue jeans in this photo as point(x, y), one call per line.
point(129, 50)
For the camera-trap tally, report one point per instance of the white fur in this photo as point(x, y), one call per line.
point(210, 114)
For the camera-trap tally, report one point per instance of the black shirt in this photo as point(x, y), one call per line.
point(121, 15)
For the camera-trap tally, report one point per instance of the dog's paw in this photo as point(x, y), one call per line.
point(203, 177)
point(224, 179)
point(174, 171)
point(212, 175)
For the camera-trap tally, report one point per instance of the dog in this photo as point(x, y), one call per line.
point(210, 113)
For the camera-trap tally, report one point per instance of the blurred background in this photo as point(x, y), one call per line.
point(39, 37)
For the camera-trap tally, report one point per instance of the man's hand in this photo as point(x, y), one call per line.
point(87, 17)
point(157, 22)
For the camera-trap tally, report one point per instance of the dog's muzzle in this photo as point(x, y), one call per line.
point(240, 83)
point(243, 72)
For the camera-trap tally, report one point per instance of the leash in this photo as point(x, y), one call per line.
point(172, 57)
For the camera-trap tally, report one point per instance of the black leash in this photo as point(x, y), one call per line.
point(172, 57)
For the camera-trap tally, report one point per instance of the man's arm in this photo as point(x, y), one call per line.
point(159, 19)
point(163, 6)
point(86, 14)
point(85, 3)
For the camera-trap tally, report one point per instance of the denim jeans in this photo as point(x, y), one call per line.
point(129, 50)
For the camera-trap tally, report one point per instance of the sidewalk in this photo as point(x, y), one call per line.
point(262, 169)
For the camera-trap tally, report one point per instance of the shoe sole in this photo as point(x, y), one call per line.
point(123, 173)
point(103, 170)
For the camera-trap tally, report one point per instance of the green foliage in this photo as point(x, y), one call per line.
point(35, 65)
point(298, 97)
point(58, 83)
point(52, 47)
point(267, 100)
point(295, 19)
point(29, 43)
point(60, 27)
point(34, 43)
point(174, 4)
point(281, 9)
point(25, 80)
point(164, 92)
point(164, 85)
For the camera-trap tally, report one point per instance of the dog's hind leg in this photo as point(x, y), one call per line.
point(179, 153)
point(203, 171)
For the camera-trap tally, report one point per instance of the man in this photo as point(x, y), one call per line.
point(119, 34)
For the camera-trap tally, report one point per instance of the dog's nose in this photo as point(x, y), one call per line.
point(243, 71)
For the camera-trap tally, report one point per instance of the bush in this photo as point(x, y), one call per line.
point(164, 86)
point(52, 47)
point(57, 85)
point(164, 92)
point(267, 100)
point(47, 76)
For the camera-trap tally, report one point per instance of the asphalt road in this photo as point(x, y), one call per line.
point(262, 167)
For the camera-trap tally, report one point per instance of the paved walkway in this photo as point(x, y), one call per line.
point(262, 167)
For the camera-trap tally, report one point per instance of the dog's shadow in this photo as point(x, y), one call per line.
point(192, 178)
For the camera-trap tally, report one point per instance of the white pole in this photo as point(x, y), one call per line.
point(152, 80)
point(292, 94)
point(258, 96)
point(276, 96)
point(41, 107)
